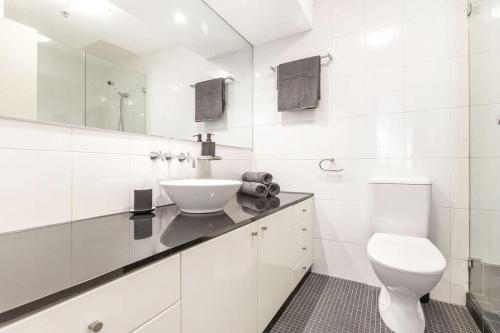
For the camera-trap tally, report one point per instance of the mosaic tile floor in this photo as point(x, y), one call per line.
point(326, 304)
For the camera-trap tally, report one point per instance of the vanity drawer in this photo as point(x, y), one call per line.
point(302, 209)
point(121, 305)
point(300, 270)
point(169, 321)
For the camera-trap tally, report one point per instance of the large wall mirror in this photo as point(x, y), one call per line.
point(125, 65)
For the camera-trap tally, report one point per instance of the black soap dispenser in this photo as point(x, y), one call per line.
point(208, 147)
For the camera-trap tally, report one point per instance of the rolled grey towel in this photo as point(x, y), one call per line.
point(253, 203)
point(258, 177)
point(273, 189)
point(254, 189)
point(273, 202)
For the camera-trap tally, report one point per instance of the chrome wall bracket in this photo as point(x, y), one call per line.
point(331, 160)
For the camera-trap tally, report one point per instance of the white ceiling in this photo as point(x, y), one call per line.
point(261, 21)
point(139, 27)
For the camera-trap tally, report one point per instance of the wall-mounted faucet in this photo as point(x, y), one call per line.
point(155, 155)
point(183, 157)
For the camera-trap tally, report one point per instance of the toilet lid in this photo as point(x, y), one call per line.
point(407, 254)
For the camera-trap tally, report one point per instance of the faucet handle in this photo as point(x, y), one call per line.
point(154, 155)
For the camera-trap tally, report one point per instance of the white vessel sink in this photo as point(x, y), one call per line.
point(201, 195)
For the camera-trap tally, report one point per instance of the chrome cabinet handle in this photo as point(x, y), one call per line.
point(304, 210)
point(304, 229)
point(96, 326)
point(304, 248)
point(264, 228)
point(254, 233)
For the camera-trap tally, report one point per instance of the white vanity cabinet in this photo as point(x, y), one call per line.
point(275, 263)
point(121, 306)
point(219, 284)
point(234, 283)
point(237, 282)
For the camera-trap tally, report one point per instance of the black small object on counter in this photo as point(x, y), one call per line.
point(143, 199)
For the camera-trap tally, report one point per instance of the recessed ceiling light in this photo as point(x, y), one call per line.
point(179, 18)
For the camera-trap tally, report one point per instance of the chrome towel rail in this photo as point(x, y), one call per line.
point(328, 56)
point(227, 78)
point(331, 160)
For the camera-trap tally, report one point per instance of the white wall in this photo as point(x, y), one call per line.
point(55, 174)
point(18, 62)
point(394, 102)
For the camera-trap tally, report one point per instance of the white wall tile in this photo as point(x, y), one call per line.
point(422, 7)
point(442, 291)
point(460, 234)
point(486, 28)
point(293, 140)
point(144, 145)
point(494, 237)
point(25, 135)
point(484, 69)
point(436, 35)
point(368, 137)
point(347, 17)
point(437, 133)
point(371, 277)
point(384, 90)
point(350, 221)
point(480, 231)
point(384, 47)
point(440, 230)
point(459, 280)
point(36, 188)
point(439, 172)
point(349, 54)
point(343, 260)
point(459, 191)
point(484, 130)
point(484, 183)
point(349, 96)
point(100, 184)
point(449, 86)
point(383, 12)
point(323, 220)
point(100, 142)
point(427, 133)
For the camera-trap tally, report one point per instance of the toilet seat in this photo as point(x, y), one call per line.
point(411, 255)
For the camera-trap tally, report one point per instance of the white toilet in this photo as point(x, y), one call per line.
point(405, 261)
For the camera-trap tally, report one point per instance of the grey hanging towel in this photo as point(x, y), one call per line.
point(209, 100)
point(299, 84)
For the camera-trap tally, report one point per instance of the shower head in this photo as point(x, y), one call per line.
point(123, 95)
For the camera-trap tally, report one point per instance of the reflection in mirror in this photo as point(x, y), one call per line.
point(126, 65)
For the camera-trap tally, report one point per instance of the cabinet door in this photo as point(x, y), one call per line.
point(169, 321)
point(275, 264)
point(219, 284)
point(121, 305)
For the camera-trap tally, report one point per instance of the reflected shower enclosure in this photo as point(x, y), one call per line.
point(81, 89)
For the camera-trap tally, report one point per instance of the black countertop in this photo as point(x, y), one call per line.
point(42, 266)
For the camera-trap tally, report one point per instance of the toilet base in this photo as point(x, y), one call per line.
point(401, 312)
